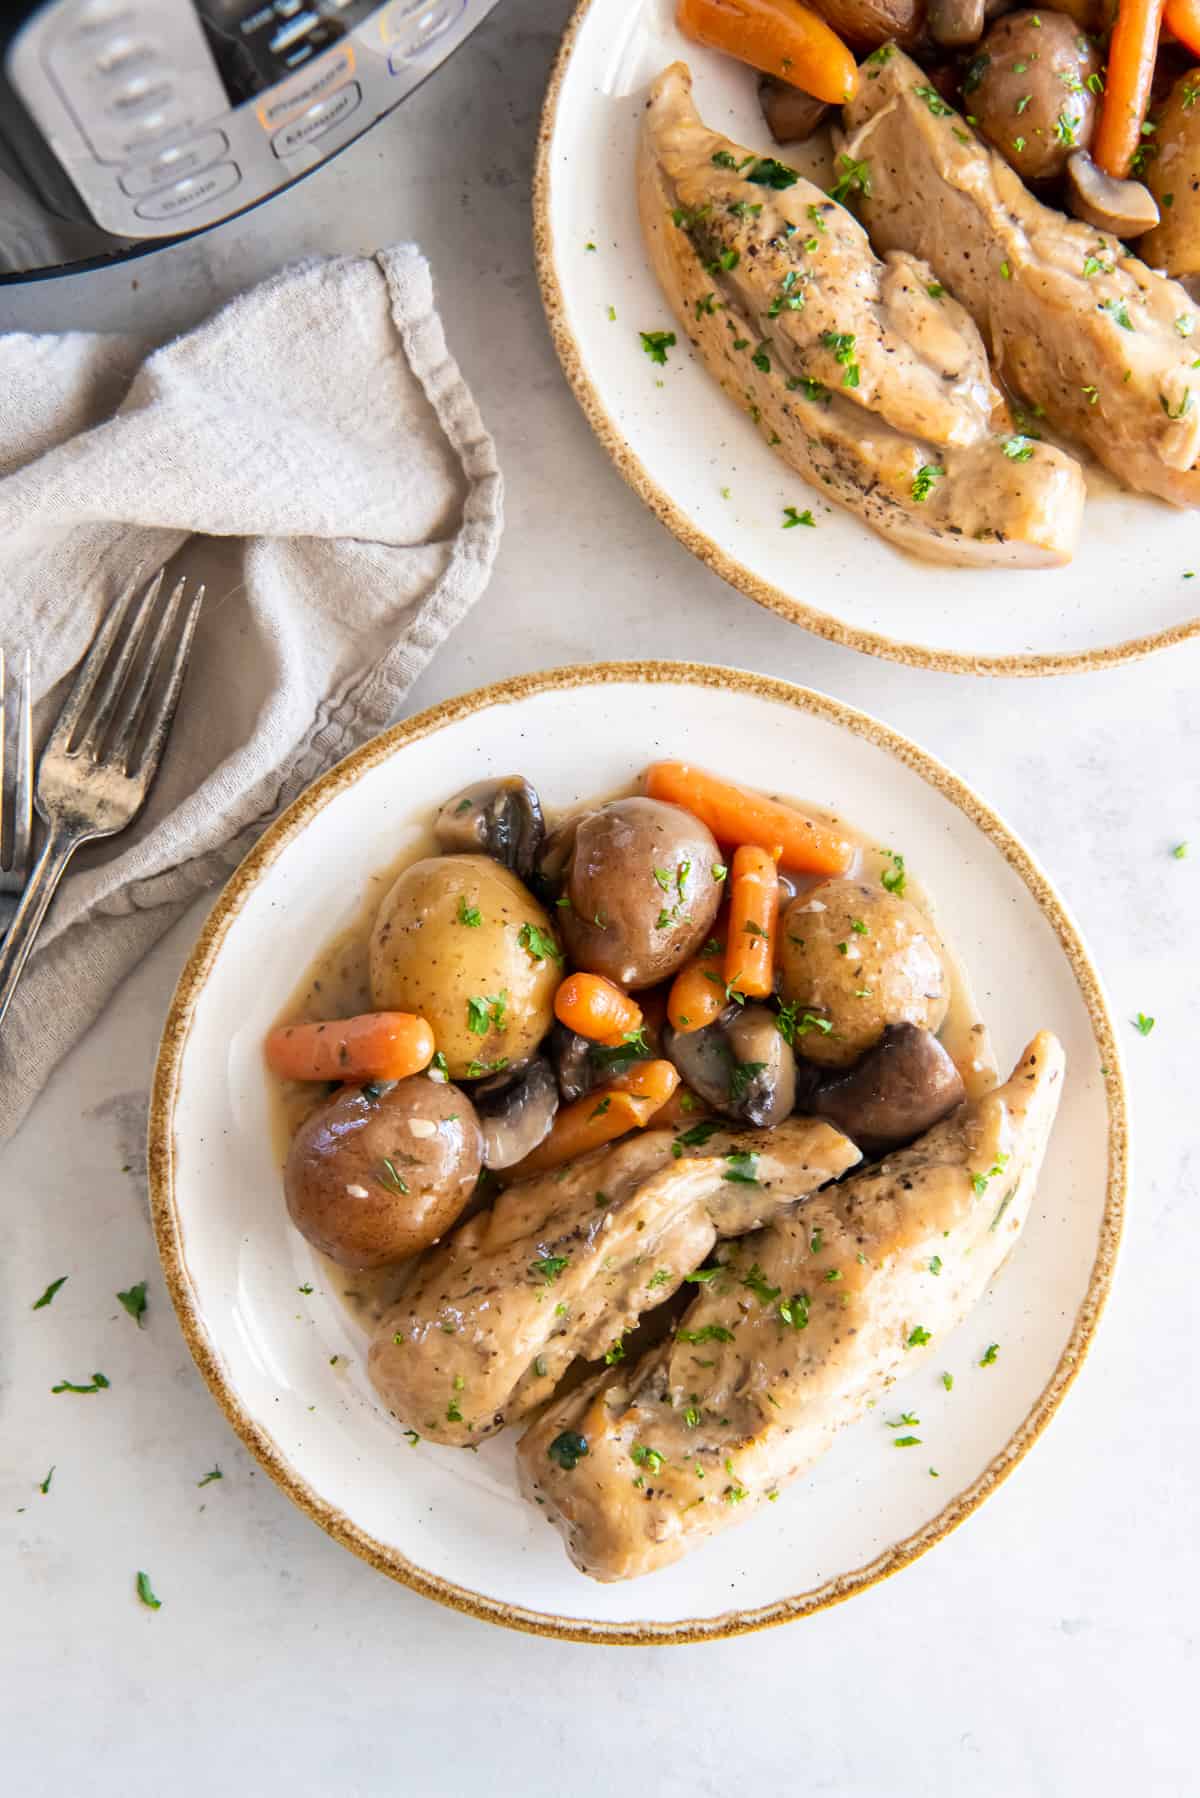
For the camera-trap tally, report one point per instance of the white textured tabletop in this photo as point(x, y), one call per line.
point(1049, 1647)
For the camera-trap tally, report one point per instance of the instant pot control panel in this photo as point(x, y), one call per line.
point(169, 115)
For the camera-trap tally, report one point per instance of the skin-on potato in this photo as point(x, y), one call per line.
point(461, 942)
point(1174, 244)
point(1027, 89)
point(642, 891)
point(371, 1179)
point(860, 959)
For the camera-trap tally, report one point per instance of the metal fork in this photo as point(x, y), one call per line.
point(16, 785)
point(104, 752)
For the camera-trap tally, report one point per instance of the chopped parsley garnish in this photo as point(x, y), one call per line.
point(756, 1282)
point(933, 101)
point(833, 1273)
point(935, 1265)
point(723, 160)
point(134, 1302)
point(1065, 127)
point(841, 344)
point(439, 1064)
point(769, 173)
point(477, 1069)
point(705, 305)
point(656, 344)
point(691, 1417)
point(1023, 102)
point(976, 69)
point(214, 1473)
point(935, 290)
point(815, 1241)
point(1185, 324)
point(49, 1293)
point(413, 1438)
point(453, 1414)
point(1005, 272)
point(760, 358)
point(1142, 1024)
point(859, 927)
point(146, 1593)
point(919, 1336)
point(989, 1354)
point(703, 1275)
point(1180, 851)
point(695, 1137)
point(1184, 405)
point(390, 1177)
point(1017, 449)
point(306, 1289)
point(790, 518)
point(854, 178)
point(709, 1333)
point(1118, 311)
point(790, 1023)
point(980, 1181)
point(742, 1076)
point(546, 1269)
point(905, 1441)
point(470, 915)
point(646, 1457)
point(948, 1381)
point(728, 259)
point(1092, 265)
point(893, 879)
point(568, 1449)
point(98, 1384)
point(615, 1353)
point(812, 389)
point(659, 1277)
point(923, 481)
point(794, 1311)
point(43, 1486)
point(743, 1168)
point(537, 944)
point(604, 1106)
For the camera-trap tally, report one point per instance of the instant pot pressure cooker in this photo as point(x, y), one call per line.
point(124, 123)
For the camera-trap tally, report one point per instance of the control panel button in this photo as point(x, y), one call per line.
point(173, 163)
point(290, 98)
point(195, 190)
point(138, 95)
point(317, 120)
point(412, 25)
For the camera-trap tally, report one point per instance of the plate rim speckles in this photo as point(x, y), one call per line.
point(704, 546)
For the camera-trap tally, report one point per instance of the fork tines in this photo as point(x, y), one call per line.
point(16, 772)
point(130, 664)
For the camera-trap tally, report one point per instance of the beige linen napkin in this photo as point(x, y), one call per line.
point(310, 452)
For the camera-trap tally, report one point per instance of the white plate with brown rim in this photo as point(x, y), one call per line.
point(288, 1366)
point(705, 469)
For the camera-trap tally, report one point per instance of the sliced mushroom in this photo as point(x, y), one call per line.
point(894, 1093)
point(791, 114)
point(740, 1065)
point(581, 1065)
point(1125, 208)
point(501, 817)
point(956, 23)
point(515, 1114)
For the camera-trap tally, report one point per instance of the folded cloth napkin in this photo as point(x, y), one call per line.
point(313, 455)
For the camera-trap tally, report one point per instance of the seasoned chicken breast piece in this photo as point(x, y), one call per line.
point(1077, 327)
point(803, 1323)
point(564, 1264)
point(870, 381)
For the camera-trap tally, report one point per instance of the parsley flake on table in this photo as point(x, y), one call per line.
point(948, 1381)
point(146, 1593)
point(656, 344)
point(1180, 851)
point(906, 1441)
point(918, 1337)
point(935, 1265)
point(1142, 1024)
point(989, 1354)
point(214, 1473)
point(44, 1485)
point(134, 1302)
point(49, 1293)
point(98, 1384)
point(791, 518)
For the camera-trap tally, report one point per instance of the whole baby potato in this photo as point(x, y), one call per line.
point(1173, 177)
point(374, 1175)
point(643, 884)
point(859, 959)
point(1027, 87)
point(461, 942)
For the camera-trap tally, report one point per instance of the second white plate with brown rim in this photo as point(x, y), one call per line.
point(283, 1354)
point(705, 469)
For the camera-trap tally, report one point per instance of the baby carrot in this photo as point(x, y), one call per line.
point(753, 913)
point(1183, 18)
point(378, 1045)
point(593, 1007)
point(780, 37)
point(736, 815)
point(601, 1117)
point(653, 1081)
point(698, 990)
point(1127, 80)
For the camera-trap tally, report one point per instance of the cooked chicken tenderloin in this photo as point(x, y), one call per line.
point(872, 382)
point(1076, 325)
point(564, 1264)
point(808, 1320)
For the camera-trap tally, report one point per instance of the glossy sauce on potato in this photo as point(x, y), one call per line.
point(337, 984)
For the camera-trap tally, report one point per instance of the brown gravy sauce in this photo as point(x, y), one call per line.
point(336, 984)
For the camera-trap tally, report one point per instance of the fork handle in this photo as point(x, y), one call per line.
point(59, 847)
